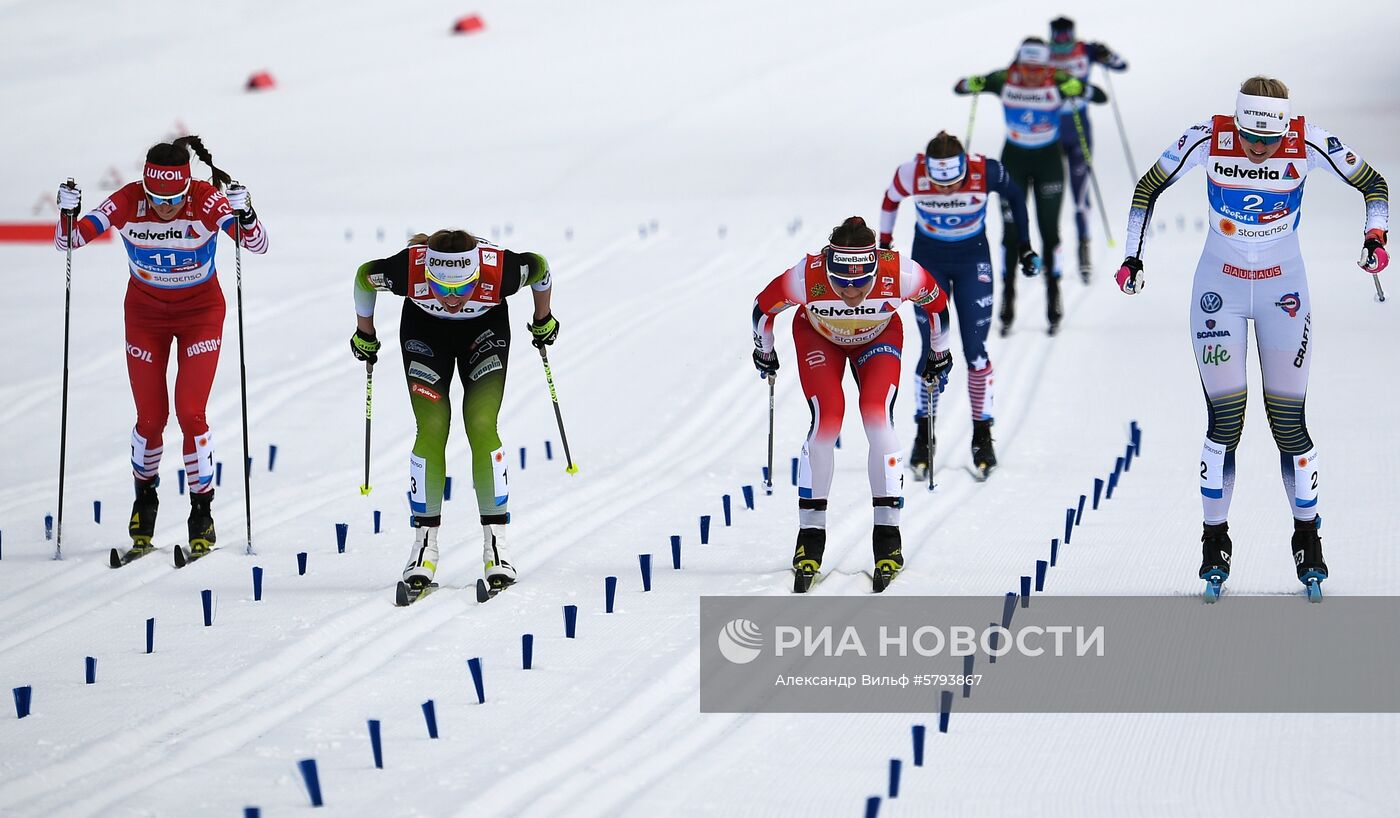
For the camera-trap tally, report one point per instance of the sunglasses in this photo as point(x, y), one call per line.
point(843, 281)
point(1259, 139)
point(460, 289)
point(165, 201)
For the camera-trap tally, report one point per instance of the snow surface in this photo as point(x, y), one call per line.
point(619, 140)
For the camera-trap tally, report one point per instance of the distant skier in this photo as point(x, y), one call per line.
point(848, 293)
point(454, 317)
point(169, 223)
point(1077, 58)
point(1252, 268)
point(950, 191)
point(1032, 94)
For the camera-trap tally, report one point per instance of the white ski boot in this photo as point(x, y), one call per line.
point(422, 557)
point(500, 574)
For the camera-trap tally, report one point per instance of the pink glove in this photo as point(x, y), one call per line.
point(1129, 277)
point(1374, 257)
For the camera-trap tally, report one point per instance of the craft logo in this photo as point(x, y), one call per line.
point(1303, 347)
point(1290, 304)
point(1211, 302)
point(740, 641)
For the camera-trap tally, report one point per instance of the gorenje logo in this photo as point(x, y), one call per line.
point(841, 312)
point(461, 263)
point(740, 641)
point(1245, 173)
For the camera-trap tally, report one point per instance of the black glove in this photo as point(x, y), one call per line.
point(364, 346)
point(544, 331)
point(936, 368)
point(766, 362)
point(1030, 262)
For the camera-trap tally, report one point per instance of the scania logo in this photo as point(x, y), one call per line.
point(1245, 173)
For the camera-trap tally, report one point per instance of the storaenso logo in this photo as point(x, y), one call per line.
point(740, 641)
point(150, 235)
point(841, 312)
point(1236, 172)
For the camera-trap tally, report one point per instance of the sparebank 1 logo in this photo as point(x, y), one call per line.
point(740, 641)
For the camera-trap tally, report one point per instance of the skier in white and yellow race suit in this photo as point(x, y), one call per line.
point(1252, 268)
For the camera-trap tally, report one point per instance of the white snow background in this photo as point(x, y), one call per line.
point(619, 139)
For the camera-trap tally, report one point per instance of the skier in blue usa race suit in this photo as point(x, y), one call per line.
point(1252, 269)
point(1077, 58)
point(950, 189)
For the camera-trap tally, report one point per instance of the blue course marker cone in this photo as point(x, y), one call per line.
point(252, 812)
point(967, 675)
point(48, 526)
point(313, 781)
point(247, 465)
point(872, 807)
point(748, 497)
point(301, 563)
point(895, 767)
point(90, 668)
point(1098, 490)
point(994, 639)
point(767, 483)
point(474, 665)
point(206, 600)
point(151, 635)
point(1040, 566)
point(97, 511)
point(377, 520)
point(794, 471)
point(1128, 458)
point(1008, 608)
point(1079, 512)
point(1025, 592)
point(548, 450)
point(728, 518)
point(218, 474)
point(1136, 434)
point(919, 732)
point(430, 718)
point(522, 458)
point(376, 746)
point(838, 441)
point(257, 583)
point(704, 529)
point(527, 651)
point(1112, 483)
point(271, 456)
point(609, 593)
point(180, 480)
point(945, 706)
point(645, 561)
point(1054, 552)
point(23, 695)
point(447, 488)
point(342, 530)
point(1069, 524)
point(675, 552)
point(570, 620)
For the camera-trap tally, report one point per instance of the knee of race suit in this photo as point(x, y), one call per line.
point(811, 513)
point(1226, 419)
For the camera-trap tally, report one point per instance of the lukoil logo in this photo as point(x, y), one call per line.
point(740, 641)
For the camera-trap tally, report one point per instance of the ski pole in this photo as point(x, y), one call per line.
point(768, 479)
point(63, 423)
point(1122, 132)
point(928, 419)
point(369, 414)
point(1375, 279)
point(243, 380)
point(971, 121)
point(572, 468)
point(1093, 177)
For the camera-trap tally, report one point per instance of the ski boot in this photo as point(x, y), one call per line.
point(889, 557)
point(1215, 558)
point(1054, 307)
point(984, 456)
point(921, 457)
point(807, 558)
point(1008, 304)
point(201, 530)
point(142, 526)
point(1086, 263)
point(421, 567)
point(500, 574)
point(1307, 555)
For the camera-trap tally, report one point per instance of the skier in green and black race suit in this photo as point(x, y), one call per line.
point(1032, 94)
point(454, 318)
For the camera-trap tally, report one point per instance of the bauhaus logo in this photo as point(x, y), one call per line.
point(740, 641)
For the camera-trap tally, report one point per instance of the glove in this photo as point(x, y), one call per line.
point(70, 198)
point(766, 362)
point(1374, 257)
point(1072, 87)
point(544, 331)
point(936, 368)
point(242, 204)
point(1129, 277)
point(364, 347)
point(1030, 262)
point(974, 85)
point(886, 241)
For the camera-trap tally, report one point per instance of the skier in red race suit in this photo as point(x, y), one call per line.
point(847, 295)
point(169, 223)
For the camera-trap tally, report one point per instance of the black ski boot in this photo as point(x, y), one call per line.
point(889, 556)
point(201, 524)
point(807, 558)
point(921, 457)
point(1086, 263)
point(1307, 556)
point(1216, 549)
point(142, 526)
point(1008, 302)
point(1054, 307)
point(984, 455)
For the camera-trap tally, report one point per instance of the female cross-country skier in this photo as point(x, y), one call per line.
point(1252, 268)
point(455, 318)
point(950, 190)
point(169, 223)
point(1032, 94)
point(848, 293)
